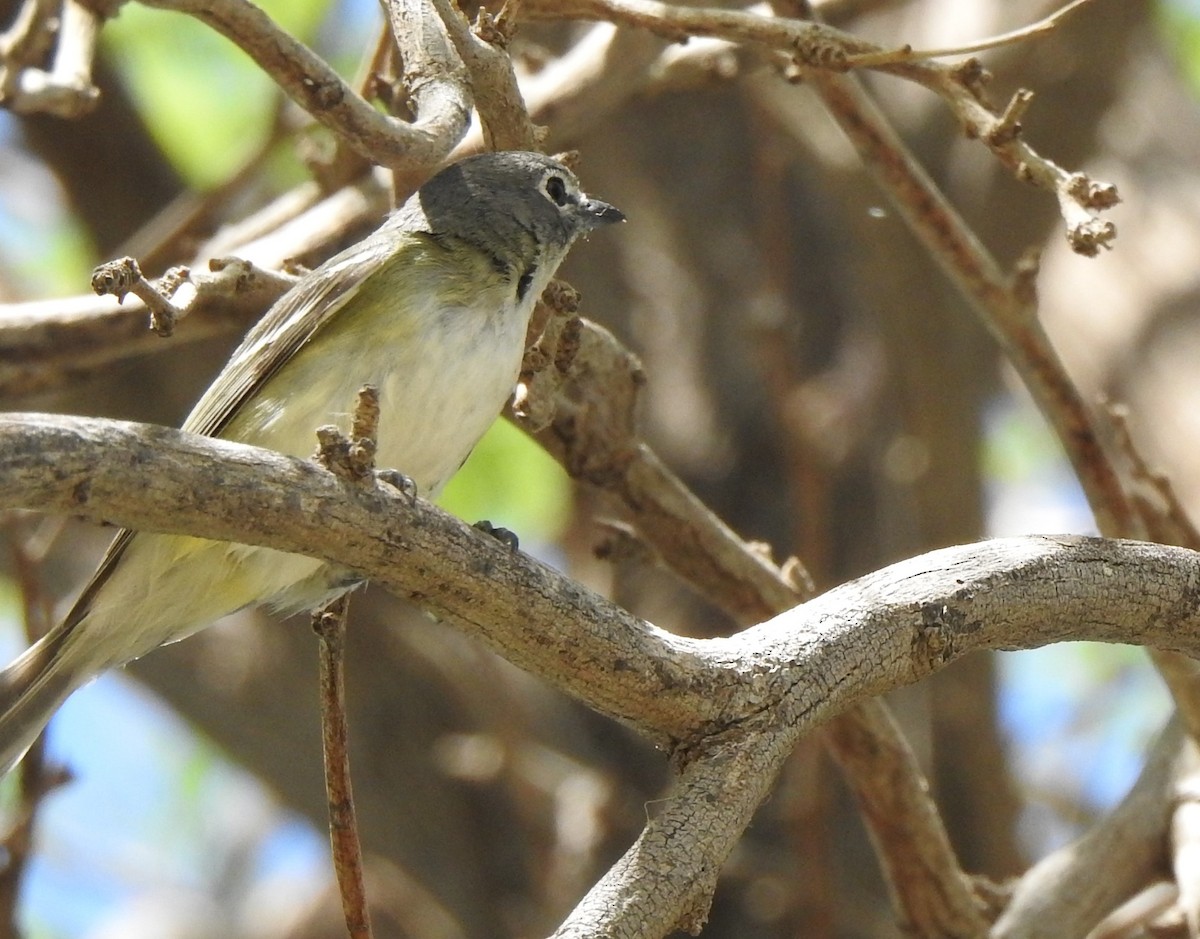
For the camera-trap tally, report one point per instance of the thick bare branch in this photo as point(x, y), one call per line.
point(720, 704)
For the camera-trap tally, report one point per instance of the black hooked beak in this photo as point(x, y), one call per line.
point(600, 213)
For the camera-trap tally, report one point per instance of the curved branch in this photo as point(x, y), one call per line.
point(731, 709)
point(886, 629)
point(160, 479)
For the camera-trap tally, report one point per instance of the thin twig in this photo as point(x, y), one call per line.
point(1006, 305)
point(820, 49)
point(329, 624)
point(353, 458)
point(1039, 28)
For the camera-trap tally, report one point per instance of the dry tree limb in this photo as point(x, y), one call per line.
point(881, 631)
point(729, 710)
point(1008, 307)
point(593, 434)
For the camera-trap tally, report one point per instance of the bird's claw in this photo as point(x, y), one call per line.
point(507, 538)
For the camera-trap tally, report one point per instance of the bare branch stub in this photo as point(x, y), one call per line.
point(123, 276)
point(352, 457)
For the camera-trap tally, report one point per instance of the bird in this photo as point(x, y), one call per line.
point(432, 309)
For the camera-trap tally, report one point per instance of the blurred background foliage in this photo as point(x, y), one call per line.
point(810, 374)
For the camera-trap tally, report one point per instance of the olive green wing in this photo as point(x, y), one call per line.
point(284, 328)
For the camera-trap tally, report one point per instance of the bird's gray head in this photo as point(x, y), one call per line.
point(520, 207)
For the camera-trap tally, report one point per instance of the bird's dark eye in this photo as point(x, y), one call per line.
point(556, 189)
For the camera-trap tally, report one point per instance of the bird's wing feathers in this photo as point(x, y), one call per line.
point(274, 339)
point(287, 326)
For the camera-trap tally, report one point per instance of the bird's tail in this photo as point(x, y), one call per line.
point(31, 689)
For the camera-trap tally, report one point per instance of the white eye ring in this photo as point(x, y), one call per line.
point(556, 189)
